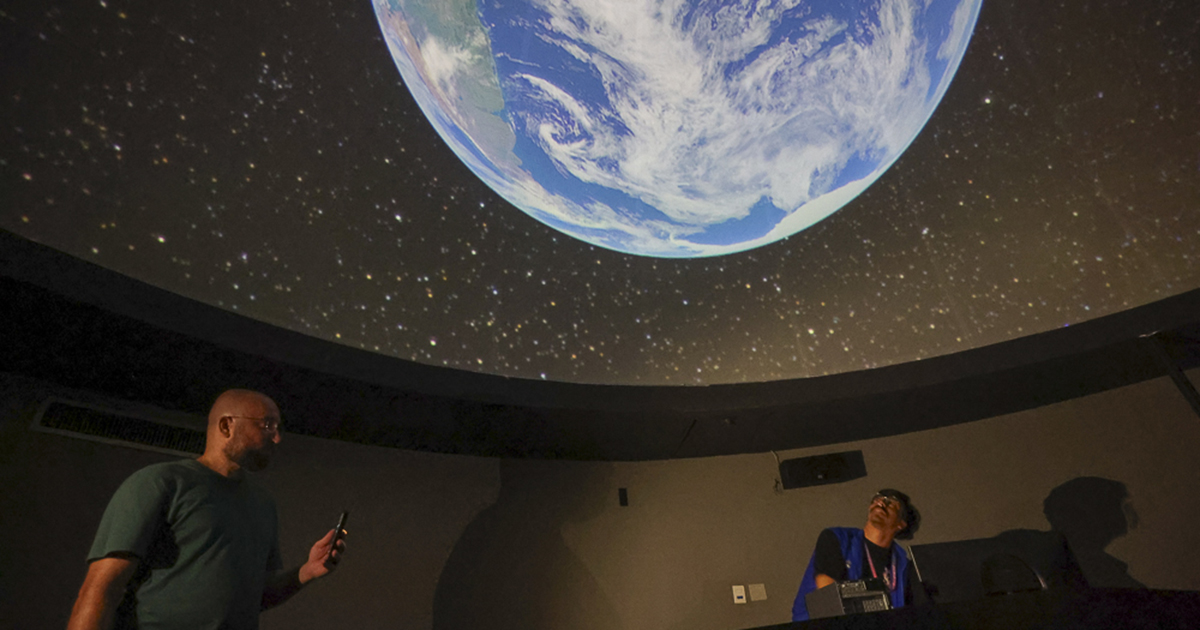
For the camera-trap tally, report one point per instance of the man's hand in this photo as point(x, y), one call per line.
point(101, 592)
point(322, 558)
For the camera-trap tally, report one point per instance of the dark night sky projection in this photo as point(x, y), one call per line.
point(266, 158)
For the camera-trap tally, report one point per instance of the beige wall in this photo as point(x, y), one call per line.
point(545, 544)
point(694, 528)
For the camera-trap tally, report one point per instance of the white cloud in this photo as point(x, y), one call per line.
point(960, 24)
point(718, 113)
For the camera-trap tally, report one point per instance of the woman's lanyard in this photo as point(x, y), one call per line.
point(889, 580)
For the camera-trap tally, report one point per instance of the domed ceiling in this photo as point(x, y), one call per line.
point(268, 159)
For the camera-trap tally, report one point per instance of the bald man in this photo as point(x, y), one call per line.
point(194, 543)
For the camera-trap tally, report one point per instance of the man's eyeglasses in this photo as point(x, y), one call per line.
point(887, 501)
point(267, 424)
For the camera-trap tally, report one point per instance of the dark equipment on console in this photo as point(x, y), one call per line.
point(1013, 562)
point(848, 598)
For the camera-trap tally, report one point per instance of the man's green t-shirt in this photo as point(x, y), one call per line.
point(206, 544)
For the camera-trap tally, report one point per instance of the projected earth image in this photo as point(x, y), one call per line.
point(678, 129)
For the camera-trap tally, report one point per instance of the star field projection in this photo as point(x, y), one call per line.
point(266, 159)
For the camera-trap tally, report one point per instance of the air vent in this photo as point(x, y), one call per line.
point(89, 422)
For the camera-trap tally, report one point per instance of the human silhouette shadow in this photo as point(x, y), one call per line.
point(1092, 512)
point(511, 569)
point(1089, 513)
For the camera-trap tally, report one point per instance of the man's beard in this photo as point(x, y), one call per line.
point(257, 460)
point(252, 460)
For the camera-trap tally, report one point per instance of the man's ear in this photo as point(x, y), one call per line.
point(223, 426)
point(901, 525)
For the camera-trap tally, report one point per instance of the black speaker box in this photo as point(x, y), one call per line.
point(822, 469)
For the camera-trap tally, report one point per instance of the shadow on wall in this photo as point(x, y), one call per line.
point(1090, 512)
point(511, 569)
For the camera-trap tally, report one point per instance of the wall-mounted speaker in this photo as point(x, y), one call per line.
point(819, 470)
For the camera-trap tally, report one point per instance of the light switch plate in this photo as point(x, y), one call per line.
point(739, 594)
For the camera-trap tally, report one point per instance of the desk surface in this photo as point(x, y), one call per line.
point(1090, 609)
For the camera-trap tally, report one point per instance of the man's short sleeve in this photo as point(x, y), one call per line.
point(827, 557)
point(133, 516)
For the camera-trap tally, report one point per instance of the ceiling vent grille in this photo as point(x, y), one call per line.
point(121, 428)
